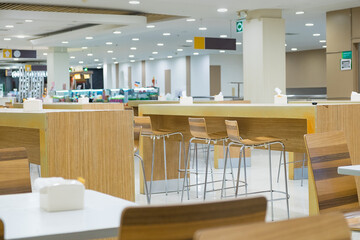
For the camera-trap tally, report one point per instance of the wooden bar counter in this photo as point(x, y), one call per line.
point(288, 122)
point(94, 144)
point(105, 106)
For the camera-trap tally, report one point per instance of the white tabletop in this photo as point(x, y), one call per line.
point(24, 219)
point(353, 170)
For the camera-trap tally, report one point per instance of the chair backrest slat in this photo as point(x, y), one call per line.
point(2, 230)
point(180, 222)
point(145, 124)
point(198, 128)
point(330, 226)
point(14, 171)
point(232, 130)
point(328, 151)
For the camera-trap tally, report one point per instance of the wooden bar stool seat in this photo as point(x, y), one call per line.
point(232, 129)
point(148, 131)
point(200, 134)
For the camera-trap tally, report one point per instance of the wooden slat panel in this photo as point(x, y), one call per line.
point(14, 171)
point(2, 233)
point(181, 221)
point(323, 227)
point(327, 151)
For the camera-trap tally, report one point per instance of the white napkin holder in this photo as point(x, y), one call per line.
point(280, 99)
point(83, 100)
point(355, 97)
point(61, 195)
point(48, 100)
point(32, 104)
point(219, 97)
point(162, 98)
point(186, 100)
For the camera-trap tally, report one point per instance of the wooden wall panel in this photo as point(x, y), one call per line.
point(338, 31)
point(97, 146)
point(355, 13)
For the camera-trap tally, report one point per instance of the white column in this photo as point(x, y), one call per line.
point(264, 55)
point(58, 69)
point(109, 73)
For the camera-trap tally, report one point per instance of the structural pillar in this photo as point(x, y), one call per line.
point(110, 76)
point(264, 55)
point(58, 69)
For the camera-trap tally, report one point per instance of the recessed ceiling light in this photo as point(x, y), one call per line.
point(169, 56)
point(81, 62)
point(16, 59)
point(133, 48)
point(309, 24)
point(135, 39)
point(28, 20)
point(322, 41)
point(189, 41)
point(90, 54)
point(151, 59)
point(65, 42)
point(180, 50)
point(116, 62)
point(316, 34)
point(324, 46)
point(89, 38)
point(131, 56)
point(114, 58)
point(221, 51)
point(134, 2)
point(98, 67)
point(160, 44)
point(222, 10)
point(9, 26)
point(7, 39)
point(72, 57)
point(154, 53)
point(285, 45)
point(166, 34)
point(132, 61)
point(21, 36)
point(84, 48)
point(96, 60)
point(150, 26)
point(238, 43)
point(299, 12)
point(191, 20)
point(45, 54)
point(116, 32)
point(108, 43)
point(223, 36)
point(202, 28)
point(110, 51)
point(294, 49)
point(196, 53)
point(99, 64)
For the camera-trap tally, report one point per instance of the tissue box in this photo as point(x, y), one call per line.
point(219, 98)
point(32, 104)
point(84, 100)
point(280, 99)
point(355, 97)
point(48, 100)
point(162, 98)
point(63, 196)
point(186, 100)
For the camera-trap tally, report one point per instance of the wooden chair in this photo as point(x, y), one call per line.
point(2, 230)
point(330, 226)
point(328, 151)
point(14, 171)
point(180, 222)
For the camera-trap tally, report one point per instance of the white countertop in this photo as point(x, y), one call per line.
point(24, 219)
point(353, 170)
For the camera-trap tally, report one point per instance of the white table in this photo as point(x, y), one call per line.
point(24, 219)
point(353, 170)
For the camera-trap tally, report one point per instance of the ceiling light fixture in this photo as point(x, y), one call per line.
point(238, 43)
point(98, 67)
point(180, 50)
point(191, 20)
point(202, 28)
point(72, 57)
point(81, 62)
point(28, 20)
point(132, 61)
point(150, 26)
point(294, 49)
point(96, 60)
point(114, 58)
point(7, 39)
point(223, 36)
point(160, 44)
point(110, 51)
point(84, 47)
point(299, 12)
point(324, 46)
point(133, 48)
point(222, 10)
point(322, 41)
point(134, 2)
point(116, 32)
point(135, 39)
point(9, 26)
point(45, 54)
point(309, 24)
point(189, 41)
point(151, 59)
point(65, 42)
point(89, 38)
point(222, 51)
point(154, 53)
point(21, 36)
point(316, 34)
point(108, 43)
point(166, 34)
point(169, 57)
point(116, 62)
point(196, 53)
point(131, 56)
point(90, 54)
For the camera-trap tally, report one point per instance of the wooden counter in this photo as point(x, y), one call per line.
point(94, 144)
point(288, 122)
point(107, 106)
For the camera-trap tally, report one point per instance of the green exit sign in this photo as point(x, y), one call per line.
point(239, 26)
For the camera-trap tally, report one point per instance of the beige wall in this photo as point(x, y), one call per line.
point(306, 69)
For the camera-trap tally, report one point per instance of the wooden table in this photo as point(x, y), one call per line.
point(289, 122)
point(107, 106)
point(94, 144)
point(24, 219)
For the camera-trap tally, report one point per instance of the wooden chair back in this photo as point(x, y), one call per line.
point(328, 151)
point(14, 171)
point(330, 226)
point(198, 128)
point(2, 230)
point(232, 130)
point(145, 124)
point(180, 222)
point(137, 133)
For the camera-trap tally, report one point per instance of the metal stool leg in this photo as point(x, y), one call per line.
point(186, 182)
point(302, 170)
point(39, 170)
point(197, 170)
point(238, 173)
point(152, 167)
point(278, 174)
point(286, 183)
point(166, 182)
point(145, 185)
point(207, 168)
point(225, 165)
point(178, 187)
point(245, 176)
point(271, 187)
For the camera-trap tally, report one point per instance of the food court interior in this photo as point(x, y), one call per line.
point(159, 119)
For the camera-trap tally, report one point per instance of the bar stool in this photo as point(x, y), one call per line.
point(198, 130)
point(147, 131)
point(137, 133)
point(235, 138)
point(302, 168)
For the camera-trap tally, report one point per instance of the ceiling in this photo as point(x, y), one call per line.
point(40, 34)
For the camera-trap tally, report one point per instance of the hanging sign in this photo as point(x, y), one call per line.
point(215, 43)
point(239, 26)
